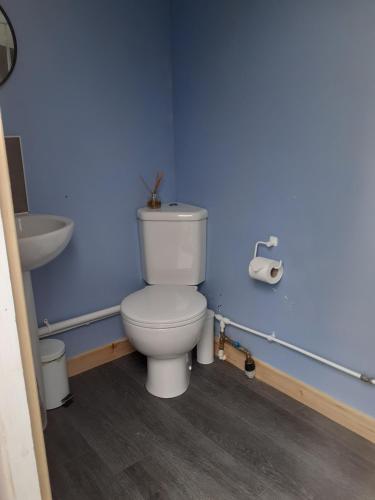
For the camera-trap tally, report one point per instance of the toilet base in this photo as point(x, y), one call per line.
point(168, 378)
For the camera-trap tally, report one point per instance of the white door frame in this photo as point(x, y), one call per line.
point(23, 465)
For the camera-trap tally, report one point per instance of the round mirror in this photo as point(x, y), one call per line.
point(8, 47)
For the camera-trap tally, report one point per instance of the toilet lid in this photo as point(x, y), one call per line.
point(168, 305)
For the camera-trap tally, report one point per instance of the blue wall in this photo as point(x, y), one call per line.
point(274, 122)
point(91, 98)
point(274, 109)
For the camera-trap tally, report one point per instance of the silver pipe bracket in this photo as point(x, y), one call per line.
point(272, 337)
point(47, 324)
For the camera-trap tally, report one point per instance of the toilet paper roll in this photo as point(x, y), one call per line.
point(266, 270)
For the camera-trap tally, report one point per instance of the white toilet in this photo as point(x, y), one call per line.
point(164, 320)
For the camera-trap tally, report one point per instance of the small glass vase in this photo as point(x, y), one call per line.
point(154, 201)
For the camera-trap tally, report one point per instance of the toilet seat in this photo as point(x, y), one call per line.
point(164, 306)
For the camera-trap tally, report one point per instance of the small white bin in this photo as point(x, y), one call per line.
point(55, 375)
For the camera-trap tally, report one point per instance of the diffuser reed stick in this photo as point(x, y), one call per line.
point(154, 200)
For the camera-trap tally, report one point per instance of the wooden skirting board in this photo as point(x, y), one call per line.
point(345, 415)
point(99, 356)
point(348, 417)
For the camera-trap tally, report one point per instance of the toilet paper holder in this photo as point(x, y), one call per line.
point(273, 241)
point(264, 269)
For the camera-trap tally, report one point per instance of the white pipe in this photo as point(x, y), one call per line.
point(272, 338)
point(205, 346)
point(70, 324)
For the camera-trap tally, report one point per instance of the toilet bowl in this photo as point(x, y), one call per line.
point(165, 322)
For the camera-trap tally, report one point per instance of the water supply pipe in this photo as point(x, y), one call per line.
point(205, 346)
point(272, 338)
point(223, 338)
point(69, 324)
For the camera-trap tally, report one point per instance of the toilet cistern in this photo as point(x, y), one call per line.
point(165, 319)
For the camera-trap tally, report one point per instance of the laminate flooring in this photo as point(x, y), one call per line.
point(226, 438)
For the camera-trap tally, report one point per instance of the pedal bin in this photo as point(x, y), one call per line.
point(55, 375)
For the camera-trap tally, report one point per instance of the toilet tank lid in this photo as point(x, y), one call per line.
point(173, 212)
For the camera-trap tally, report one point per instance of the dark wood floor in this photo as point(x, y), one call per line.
point(225, 438)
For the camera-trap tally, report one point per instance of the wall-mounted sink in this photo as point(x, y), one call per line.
point(41, 238)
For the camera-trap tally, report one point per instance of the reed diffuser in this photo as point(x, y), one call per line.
point(154, 200)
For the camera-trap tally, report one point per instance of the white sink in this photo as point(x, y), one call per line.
point(41, 238)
